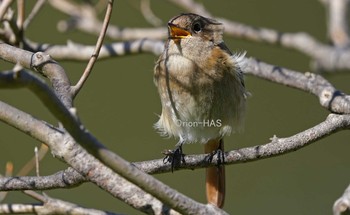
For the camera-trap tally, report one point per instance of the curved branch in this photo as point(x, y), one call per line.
point(329, 97)
point(342, 205)
point(42, 63)
point(4, 6)
point(62, 145)
point(75, 89)
point(67, 149)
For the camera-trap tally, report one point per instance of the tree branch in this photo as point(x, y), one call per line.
point(337, 22)
point(342, 205)
point(79, 52)
point(50, 206)
point(64, 179)
point(42, 63)
point(5, 4)
point(329, 97)
point(85, 19)
point(75, 89)
point(65, 148)
point(277, 146)
point(327, 57)
point(71, 153)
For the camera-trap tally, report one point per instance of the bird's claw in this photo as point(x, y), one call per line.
point(174, 157)
point(220, 156)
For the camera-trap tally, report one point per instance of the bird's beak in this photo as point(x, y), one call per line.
point(177, 33)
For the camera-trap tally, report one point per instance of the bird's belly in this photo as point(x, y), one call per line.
point(194, 106)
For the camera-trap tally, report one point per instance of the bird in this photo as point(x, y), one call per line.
point(202, 92)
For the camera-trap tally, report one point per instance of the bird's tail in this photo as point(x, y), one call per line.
point(215, 176)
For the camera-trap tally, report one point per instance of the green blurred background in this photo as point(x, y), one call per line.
point(119, 105)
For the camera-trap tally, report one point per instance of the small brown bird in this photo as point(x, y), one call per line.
point(201, 90)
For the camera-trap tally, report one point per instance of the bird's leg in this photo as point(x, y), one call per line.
point(220, 154)
point(175, 156)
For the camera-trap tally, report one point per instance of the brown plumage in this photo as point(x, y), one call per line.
point(201, 90)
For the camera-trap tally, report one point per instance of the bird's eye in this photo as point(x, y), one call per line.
point(197, 27)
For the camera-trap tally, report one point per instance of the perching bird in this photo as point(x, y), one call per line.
point(202, 91)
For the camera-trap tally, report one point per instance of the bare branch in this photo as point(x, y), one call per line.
point(5, 4)
point(75, 90)
point(154, 197)
point(329, 97)
point(85, 19)
point(64, 179)
point(50, 206)
point(32, 162)
point(327, 57)
point(73, 157)
point(18, 208)
point(342, 204)
point(277, 146)
point(63, 146)
point(338, 23)
point(42, 63)
point(145, 6)
point(20, 15)
point(192, 6)
point(79, 52)
point(37, 7)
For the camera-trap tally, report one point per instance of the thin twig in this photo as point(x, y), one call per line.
point(338, 22)
point(5, 4)
point(20, 14)
point(94, 56)
point(36, 161)
point(31, 164)
point(37, 7)
point(8, 173)
point(145, 7)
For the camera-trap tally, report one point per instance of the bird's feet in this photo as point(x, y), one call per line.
point(220, 156)
point(175, 157)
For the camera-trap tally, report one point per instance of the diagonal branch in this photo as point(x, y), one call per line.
point(64, 147)
point(73, 157)
point(43, 64)
point(5, 4)
point(329, 97)
point(75, 89)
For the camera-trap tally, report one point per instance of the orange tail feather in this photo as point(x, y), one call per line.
point(215, 176)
